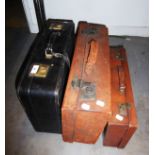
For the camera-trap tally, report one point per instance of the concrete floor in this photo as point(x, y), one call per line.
point(21, 139)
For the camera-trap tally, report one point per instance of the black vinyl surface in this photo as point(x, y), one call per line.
point(41, 97)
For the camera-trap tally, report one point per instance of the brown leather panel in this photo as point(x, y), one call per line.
point(88, 126)
point(114, 135)
point(123, 122)
point(129, 133)
point(91, 108)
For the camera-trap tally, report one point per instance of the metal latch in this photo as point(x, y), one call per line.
point(123, 108)
point(49, 53)
point(119, 56)
point(56, 27)
point(87, 89)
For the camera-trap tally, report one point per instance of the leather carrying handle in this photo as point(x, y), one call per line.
point(121, 75)
point(92, 56)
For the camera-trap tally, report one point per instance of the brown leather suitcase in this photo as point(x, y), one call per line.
point(123, 122)
point(87, 102)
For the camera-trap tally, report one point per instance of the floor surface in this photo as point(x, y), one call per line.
point(21, 139)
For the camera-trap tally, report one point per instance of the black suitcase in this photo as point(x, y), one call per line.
point(42, 78)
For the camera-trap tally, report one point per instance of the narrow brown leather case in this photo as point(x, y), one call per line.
point(87, 100)
point(123, 122)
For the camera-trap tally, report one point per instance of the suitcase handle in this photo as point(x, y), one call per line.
point(92, 56)
point(121, 75)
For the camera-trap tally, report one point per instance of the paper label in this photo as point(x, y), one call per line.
point(119, 117)
point(39, 70)
point(34, 69)
point(100, 103)
point(85, 106)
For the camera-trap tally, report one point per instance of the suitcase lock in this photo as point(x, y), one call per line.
point(87, 89)
point(49, 54)
point(119, 56)
point(123, 108)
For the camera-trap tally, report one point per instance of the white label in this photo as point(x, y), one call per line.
point(119, 117)
point(85, 106)
point(100, 103)
point(34, 69)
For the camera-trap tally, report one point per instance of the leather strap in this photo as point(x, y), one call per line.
point(92, 56)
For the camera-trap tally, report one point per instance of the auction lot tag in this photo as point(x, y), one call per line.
point(34, 69)
point(100, 103)
point(85, 106)
point(119, 117)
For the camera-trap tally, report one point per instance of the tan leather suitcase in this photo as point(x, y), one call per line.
point(123, 122)
point(86, 105)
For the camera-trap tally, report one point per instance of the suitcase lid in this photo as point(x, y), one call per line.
point(123, 107)
point(42, 70)
point(88, 86)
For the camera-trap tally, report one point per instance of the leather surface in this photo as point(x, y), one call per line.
point(123, 122)
point(85, 112)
